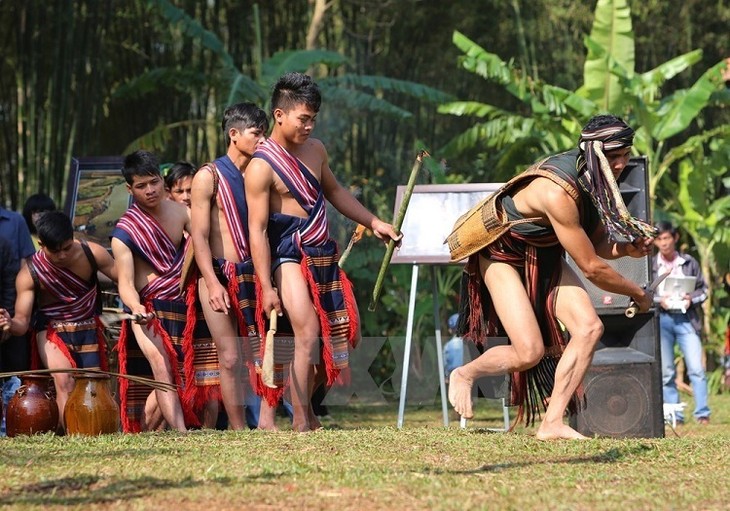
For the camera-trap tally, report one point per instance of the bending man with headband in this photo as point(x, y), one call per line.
point(517, 283)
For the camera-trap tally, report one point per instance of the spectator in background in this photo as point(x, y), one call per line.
point(179, 182)
point(14, 229)
point(33, 208)
point(9, 267)
point(680, 321)
point(8, 271)
point(454, 349)
point(14, 352)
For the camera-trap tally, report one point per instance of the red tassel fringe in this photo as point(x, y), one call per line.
point(190, 390)
point(189, 417)
point(324, 325)
point(121, 348)
point(53, 337)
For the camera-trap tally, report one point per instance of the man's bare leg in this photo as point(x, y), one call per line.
point(526, 349)
point(298, 307)
point(152, 420)
point(267, 416)
point(53, 358)
point(574, 308)
point(224, 331)
point(154, 351)
point(210, 414)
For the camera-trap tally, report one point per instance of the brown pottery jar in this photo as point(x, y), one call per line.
point(91, 409)
point(33, 408)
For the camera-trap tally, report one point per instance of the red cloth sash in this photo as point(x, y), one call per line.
point(303, 186)
point(144, 235)
point(75, 299)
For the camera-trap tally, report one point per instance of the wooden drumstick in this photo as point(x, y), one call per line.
point(267, 364)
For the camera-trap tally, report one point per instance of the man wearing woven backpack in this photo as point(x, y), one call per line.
point(517, 282)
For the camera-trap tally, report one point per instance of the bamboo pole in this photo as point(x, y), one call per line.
point(356, 236)
point(397, 225)
point(155, 384)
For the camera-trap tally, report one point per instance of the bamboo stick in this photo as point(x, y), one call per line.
point(356, 236)
point(397, 225)
point(158, 385)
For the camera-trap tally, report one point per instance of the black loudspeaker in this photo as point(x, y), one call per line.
point(633, 184)
point(623, 385)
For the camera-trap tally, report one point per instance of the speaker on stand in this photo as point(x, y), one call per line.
point(623, 385)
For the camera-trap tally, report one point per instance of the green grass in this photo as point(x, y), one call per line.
point(366, 463)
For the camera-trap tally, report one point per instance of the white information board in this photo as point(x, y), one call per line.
point(430, 217)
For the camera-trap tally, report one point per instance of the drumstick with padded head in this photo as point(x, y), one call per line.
point(267, 364)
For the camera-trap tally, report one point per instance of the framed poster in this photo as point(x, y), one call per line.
point(96, 196)
point(430, 217)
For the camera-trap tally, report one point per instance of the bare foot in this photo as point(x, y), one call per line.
point(314, 423)
point(267, 425)
point(460, 393)
point(301, 427)
point(558, 431)
point(267, 417)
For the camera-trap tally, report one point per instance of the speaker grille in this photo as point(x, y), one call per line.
point(618, 402)
point(623, 384)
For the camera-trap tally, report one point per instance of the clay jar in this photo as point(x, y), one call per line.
point(91, 409)
point(33, 408)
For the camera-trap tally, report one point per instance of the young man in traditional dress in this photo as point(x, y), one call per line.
point(179, 182)
point(148, 245)
point(295, 259)
point(220, 239)
point(518, 279)
point(59, 283)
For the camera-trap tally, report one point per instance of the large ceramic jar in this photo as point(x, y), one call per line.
point(91, 409)
point(33, 408)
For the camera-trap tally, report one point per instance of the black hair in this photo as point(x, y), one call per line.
point(178, 171)
point(294, 89)
point(243, 116)
point(140, 163)
point(54, 229)
point(36, 203)
point(665, 226)
point(600, 121)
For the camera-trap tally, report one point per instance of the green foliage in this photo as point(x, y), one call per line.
point(553, 119)
point(611, 41)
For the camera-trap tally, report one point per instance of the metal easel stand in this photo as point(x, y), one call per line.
point(409, 342)
point(505, 416)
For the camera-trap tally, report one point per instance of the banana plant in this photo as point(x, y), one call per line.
point(610, 84)
point(706, 221)
point(554, 120)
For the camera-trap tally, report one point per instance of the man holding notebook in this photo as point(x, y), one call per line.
point(679, 299)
